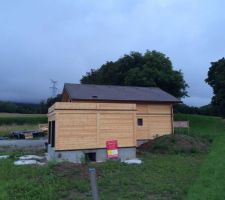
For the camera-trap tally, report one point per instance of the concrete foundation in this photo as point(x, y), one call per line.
point(78, 156)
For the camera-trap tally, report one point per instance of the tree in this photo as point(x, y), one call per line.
point(6, 106)
point(216, 79)
point(203, 110)
point(149, 69)
point(45, 104)
point(12, 107)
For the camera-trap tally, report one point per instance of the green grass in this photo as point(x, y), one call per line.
point(20, 115)
point(13, 121)
point(203, 126)
point(23, 120)
point(161, 176)
point(39, 183)
point(210, 184)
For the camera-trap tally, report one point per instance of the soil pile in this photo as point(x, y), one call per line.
point(175, 143)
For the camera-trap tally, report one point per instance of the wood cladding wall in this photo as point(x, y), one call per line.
point(84, 125)
point(76, 131)
point(118, 126)
point(157, 120)
point(90, 125)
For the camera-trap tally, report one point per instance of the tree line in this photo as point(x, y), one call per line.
point(151, 69)
point(28, 108)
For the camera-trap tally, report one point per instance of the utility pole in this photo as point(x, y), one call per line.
point(54, 88)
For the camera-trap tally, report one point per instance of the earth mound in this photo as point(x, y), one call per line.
point(175, 143)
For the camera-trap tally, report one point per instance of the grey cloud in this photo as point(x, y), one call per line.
point(62, 40)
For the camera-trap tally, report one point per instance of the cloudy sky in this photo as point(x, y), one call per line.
point(62, 40)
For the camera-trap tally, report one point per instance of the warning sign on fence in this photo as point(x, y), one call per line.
point(181, 124)
point(112, 149)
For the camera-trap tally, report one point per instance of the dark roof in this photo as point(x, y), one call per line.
point(117, 93)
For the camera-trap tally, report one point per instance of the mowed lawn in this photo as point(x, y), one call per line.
point(210, 183)
point(161, 176)
point(13, 121)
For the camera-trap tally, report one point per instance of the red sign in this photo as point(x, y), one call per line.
point(112, 149)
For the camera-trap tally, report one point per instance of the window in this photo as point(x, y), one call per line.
point(90, 156)
point(140, 122)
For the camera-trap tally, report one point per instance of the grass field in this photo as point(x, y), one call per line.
point(210, 183)
point(20, 115)
point(160, 177)
point(211, 180)
point(13, 121)
point(203, 126)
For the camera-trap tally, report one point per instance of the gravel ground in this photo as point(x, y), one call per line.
point(23, 143)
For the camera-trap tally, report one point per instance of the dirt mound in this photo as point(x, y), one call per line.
point(70, 170)
point(175, 143)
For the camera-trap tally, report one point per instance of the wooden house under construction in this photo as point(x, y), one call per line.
point(91, 115)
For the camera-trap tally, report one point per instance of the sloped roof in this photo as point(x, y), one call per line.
point(118, 93)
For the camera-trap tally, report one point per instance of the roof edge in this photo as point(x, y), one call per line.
point(112, 85)
point(126, 101)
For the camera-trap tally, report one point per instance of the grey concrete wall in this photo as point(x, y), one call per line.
point(73, 156)
point(127, 153)
point(77, 156)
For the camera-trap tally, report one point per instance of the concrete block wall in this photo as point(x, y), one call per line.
point(77, 156)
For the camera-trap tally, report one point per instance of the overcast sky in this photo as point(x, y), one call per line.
point(62, 40)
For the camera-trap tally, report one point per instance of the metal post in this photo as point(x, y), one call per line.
point(92, 174)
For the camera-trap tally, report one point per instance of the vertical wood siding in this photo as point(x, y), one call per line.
point(84, 125)
point(157, 120)
point(90, 125)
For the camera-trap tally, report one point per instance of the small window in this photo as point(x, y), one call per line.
point(140, 122)
point(90, 156)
